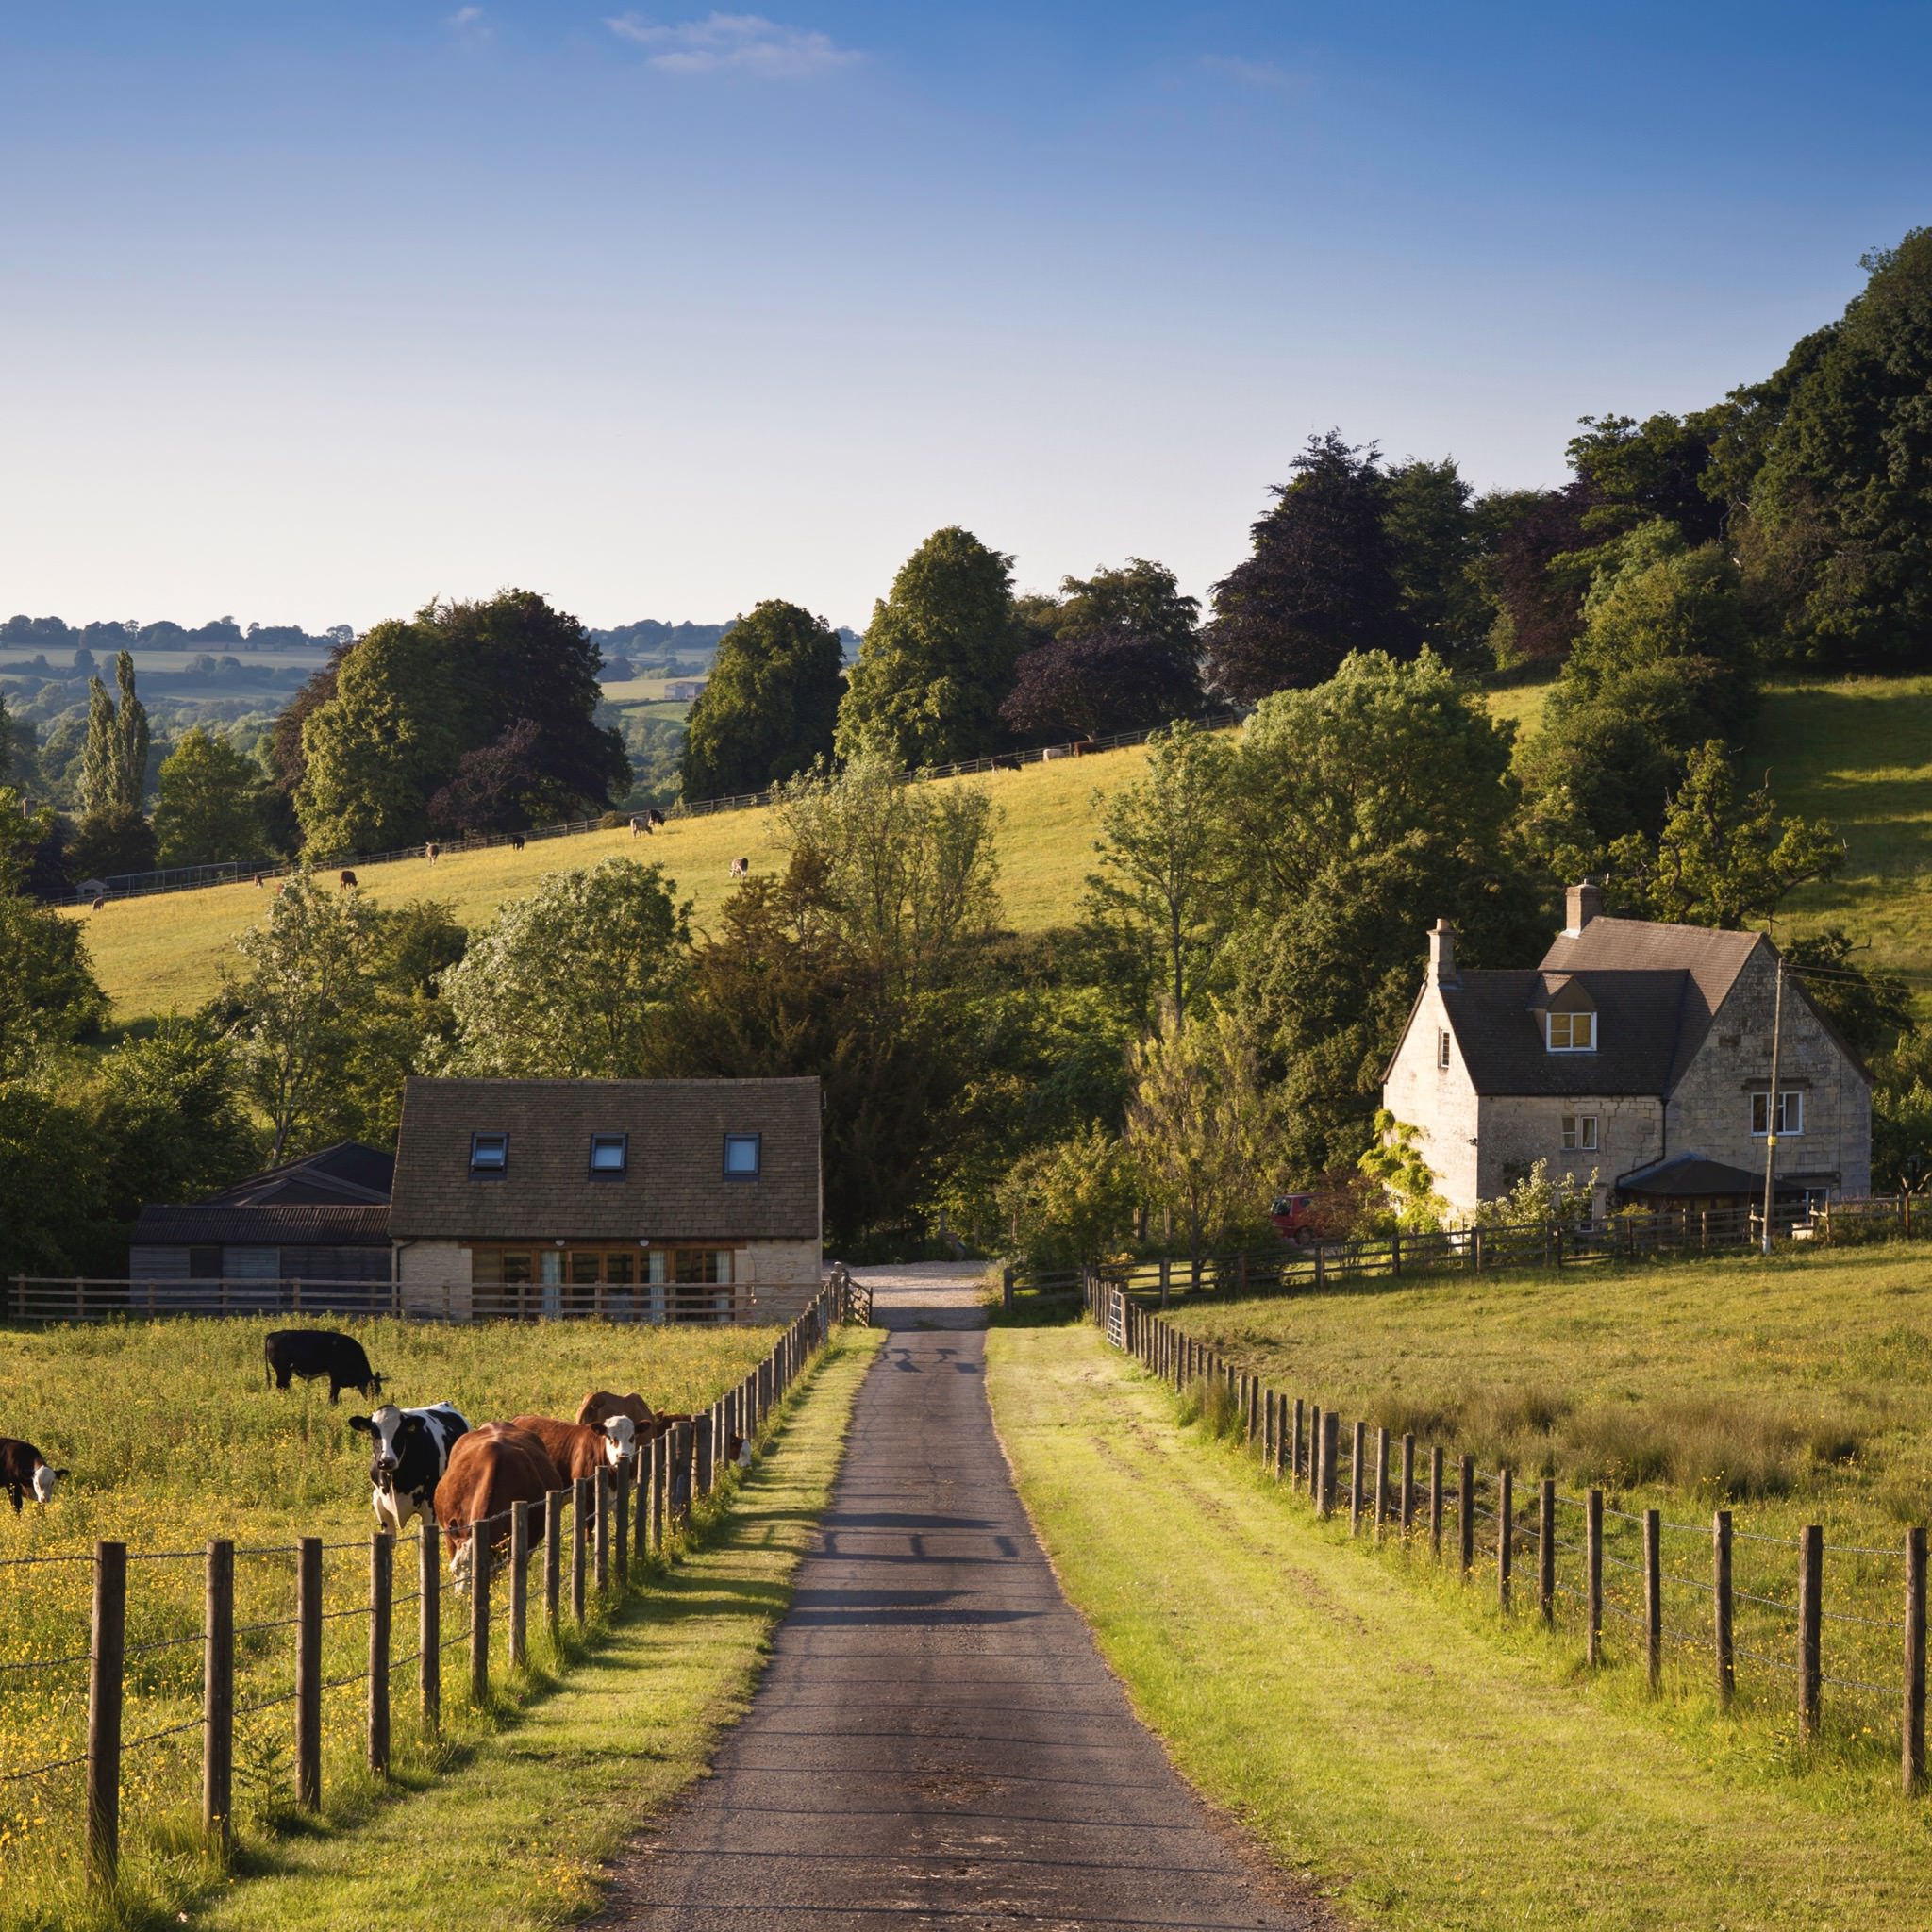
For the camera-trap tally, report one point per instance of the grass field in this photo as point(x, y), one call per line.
point(1793, 1391)
point(172, 1439)
point(165, 954)
point(1384, 1733)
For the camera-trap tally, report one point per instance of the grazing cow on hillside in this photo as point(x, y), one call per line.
point(639, 825)
point(313, 1353)
point(741, 867)
point(654, 818)
point(580, 1449)
point(98, 903)
point(345, 881)
point(599, 1406)
point(257, 880)
point(429, 852)
point(516, 841)
point(408, 1454)
point(25, 1471)
point(490, 1467)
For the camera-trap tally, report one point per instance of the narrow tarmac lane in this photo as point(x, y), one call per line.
point(937, 1741)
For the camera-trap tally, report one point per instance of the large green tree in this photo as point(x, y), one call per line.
point(1321, 581)
point(1435, 537)
point(569, 982)
point(938, 657)
point(114, 763)
point(48, 992)
point(1840, 504)
point(770, 707)
point(209, 806)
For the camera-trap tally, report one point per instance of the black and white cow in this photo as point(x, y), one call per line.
point(409, 1451)
point(23, 1472)
point(313, 1353)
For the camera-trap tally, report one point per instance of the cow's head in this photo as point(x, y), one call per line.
point(460, 1561)
point(385, 1428)
point(44, 1480)
point(619, 1440)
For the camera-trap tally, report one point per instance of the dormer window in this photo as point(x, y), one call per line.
point(610, 1156)
point(1571, 1032)
point(743, 1157)
point(489, 1155)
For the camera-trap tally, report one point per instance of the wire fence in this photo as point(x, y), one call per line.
point(1810, 1622)
point(232, 872)
point(205, 1659)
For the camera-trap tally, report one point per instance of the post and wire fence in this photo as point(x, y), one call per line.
point(1793, 1623)
point(245, 1690)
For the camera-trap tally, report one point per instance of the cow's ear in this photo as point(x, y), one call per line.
point(362, 1423)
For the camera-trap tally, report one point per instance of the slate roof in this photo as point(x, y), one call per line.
point(212, 1224)
point(1637, 1027)
point(1710, 961)
point(673, 1188)
point(1690, 1173)
point(350, 1173)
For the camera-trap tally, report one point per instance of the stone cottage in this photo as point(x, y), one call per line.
point(1640, 1051)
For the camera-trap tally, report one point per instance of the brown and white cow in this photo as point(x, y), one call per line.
point(25, 1471)
point(599, 1405)
point(584, 1448)
point(492, 1468)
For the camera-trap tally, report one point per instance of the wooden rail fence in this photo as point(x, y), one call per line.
point(620, 1526)
point(1301, 1443)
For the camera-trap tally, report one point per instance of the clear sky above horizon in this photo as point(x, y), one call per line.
point(313, 313)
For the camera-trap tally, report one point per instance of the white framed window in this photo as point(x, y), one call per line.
point(1573, 1032)
point(1579, 1133)
point(1791, 1112)
point(1442, 1048)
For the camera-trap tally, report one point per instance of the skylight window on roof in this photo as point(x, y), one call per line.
point(743, 1157)
point(610, 1154)
point(489, 1155)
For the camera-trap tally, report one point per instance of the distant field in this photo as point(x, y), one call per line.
point(165, 954)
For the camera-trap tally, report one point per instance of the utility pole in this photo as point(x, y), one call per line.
point(1771, 1109)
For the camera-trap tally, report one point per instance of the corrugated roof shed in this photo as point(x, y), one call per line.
point(673, 1187)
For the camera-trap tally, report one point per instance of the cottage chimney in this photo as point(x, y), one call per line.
point(1586, 902)
point(1442, 955)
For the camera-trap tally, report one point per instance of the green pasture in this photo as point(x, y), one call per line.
point(1389, 1737)
point(171, 1438)
point(165, 954)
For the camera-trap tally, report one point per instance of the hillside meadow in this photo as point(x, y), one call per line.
point(165, 954)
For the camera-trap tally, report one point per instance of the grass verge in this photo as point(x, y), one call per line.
point(516, 1834)
point(1426, 1768)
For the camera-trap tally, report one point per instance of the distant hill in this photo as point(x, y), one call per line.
point(40, 635)
point(650, 644)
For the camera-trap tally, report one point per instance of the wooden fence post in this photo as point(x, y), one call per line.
point(1593, 1575)
point(1721, 1603)
point(1295, 1442)
point(1546, 1550)
point(621, 1533)
point(1006, 1290)
point(1315, 1453)
point(554, 1504)
point(1435, 1501)
point(1810, 1606)
point(1912, 1738)
point(1407, 1514)
point(309, 1674)
point(106, 1652)
point(1331, 1441)
point(429, 1619)
point(579, 1546)
point(658, 1477)
point(601, 1485)
point(1653, 1598)
point(381, 1599)
point(1465, 1500)
point(479, 1614)
point(1381, 1481)
point(1505, 1532)
point(519, 1584)
point(680, 1499)
point(218, 1700)
point(1356, 1449)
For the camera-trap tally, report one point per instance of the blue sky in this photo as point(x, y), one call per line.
point(312, 312)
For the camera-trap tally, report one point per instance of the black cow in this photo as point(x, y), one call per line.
point(408, 1454)
point(23, 1472)
point(313, 1353)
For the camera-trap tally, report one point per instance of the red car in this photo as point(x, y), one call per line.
point(1294, 1216)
